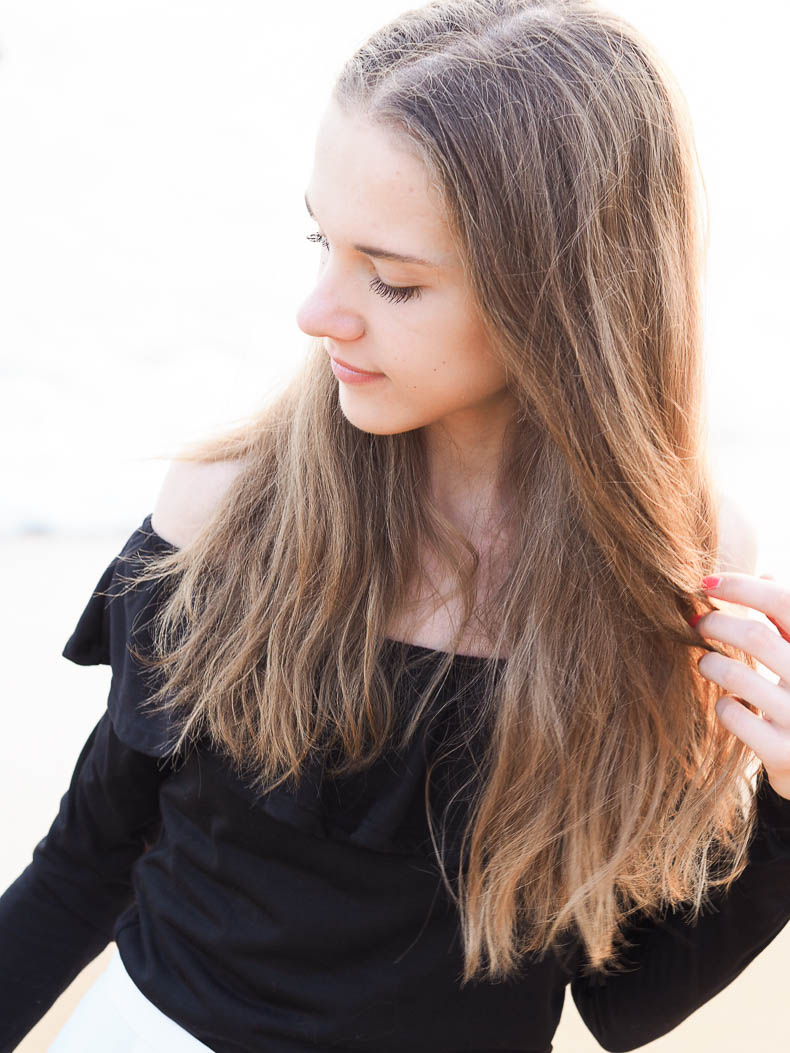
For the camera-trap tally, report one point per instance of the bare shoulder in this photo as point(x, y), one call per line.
point(189, 495)
point(738, 541)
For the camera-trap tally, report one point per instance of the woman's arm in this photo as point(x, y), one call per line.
point(59, 914)
point(675, 966)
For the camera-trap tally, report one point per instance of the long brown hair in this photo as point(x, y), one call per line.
point(564, 153)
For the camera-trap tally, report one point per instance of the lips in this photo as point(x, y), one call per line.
point(356, 369)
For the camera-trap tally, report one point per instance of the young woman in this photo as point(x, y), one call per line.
point(408, 729)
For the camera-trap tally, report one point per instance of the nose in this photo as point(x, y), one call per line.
point(323, 313)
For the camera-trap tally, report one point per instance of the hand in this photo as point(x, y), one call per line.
point(768, 735)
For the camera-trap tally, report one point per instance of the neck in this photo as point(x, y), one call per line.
point(465, 464)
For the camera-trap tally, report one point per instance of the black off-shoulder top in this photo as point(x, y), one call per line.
point(314, 917)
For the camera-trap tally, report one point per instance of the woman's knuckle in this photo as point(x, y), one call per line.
point(755, 636)
point(737, 678)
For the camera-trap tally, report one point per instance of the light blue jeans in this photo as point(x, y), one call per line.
point(114, 1016)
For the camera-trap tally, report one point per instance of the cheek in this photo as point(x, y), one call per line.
point(428, 346)
point(440, 350)
point(477, 372)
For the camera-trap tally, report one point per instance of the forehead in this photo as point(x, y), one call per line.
point(368, 185)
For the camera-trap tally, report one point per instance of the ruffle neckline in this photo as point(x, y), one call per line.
point(381, 808)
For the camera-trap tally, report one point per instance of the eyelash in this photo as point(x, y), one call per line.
point(396, 293)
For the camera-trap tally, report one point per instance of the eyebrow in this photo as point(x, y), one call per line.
point(381, 254)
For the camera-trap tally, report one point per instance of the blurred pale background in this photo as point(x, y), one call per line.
point(152, 258)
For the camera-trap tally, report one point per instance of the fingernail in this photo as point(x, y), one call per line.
point(711, 583)
point(694, 619)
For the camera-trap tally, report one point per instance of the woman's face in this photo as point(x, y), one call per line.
point(370, 197)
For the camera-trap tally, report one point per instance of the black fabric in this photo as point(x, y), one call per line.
point(314, 918)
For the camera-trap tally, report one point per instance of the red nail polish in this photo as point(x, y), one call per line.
point(694, 619)
point(711, 583)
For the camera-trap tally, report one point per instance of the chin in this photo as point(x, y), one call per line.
point(374, 427)
point(375, 421)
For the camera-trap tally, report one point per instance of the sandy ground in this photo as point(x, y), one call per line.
point(51, 705)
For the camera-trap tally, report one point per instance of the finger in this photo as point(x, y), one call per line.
point(751, 636)
point(785, 636)
point(760, 594)
point(782, 633)
point(745, 683)
point(764, 738)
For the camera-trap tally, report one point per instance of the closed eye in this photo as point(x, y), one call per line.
point(396, 293)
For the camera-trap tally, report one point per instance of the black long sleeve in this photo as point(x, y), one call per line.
point(677, 966)
point(58, 915)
